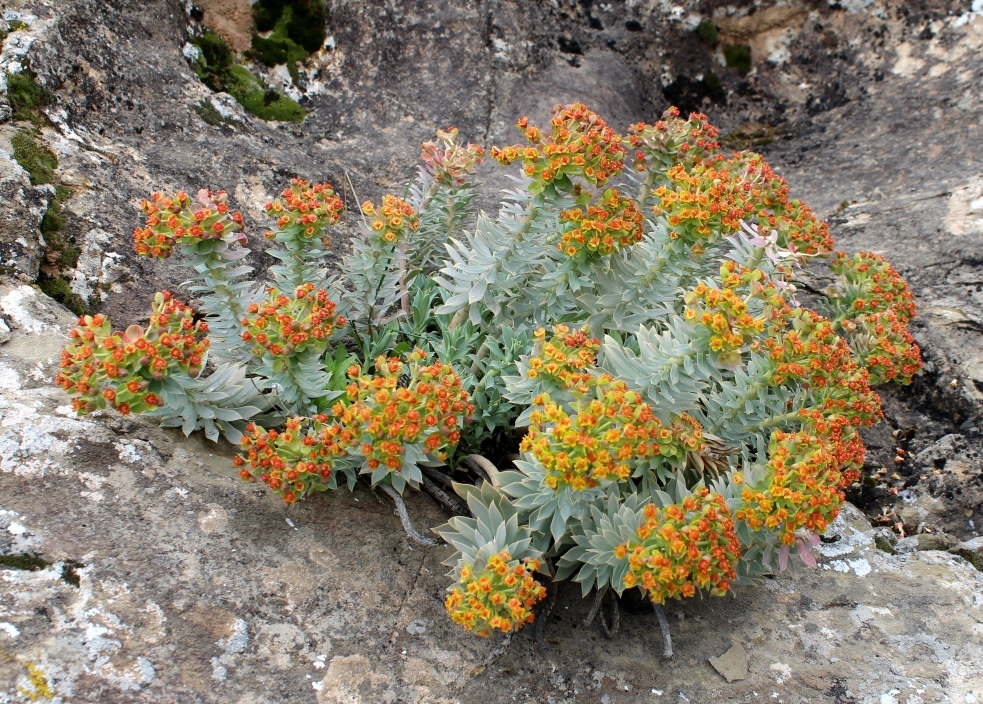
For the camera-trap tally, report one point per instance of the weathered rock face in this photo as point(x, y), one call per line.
point(167, 579)
point(22, 206)
point(164, 577)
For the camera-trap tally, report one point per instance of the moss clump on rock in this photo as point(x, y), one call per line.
point(216, 59)
point(298, 22)
point(297, 30)
point(24, 561)
point(209, 114)
point(26, 97)
point(39, 162)
point(217, 69)
point(738, 56)
point(707, 32)
point(57, 288)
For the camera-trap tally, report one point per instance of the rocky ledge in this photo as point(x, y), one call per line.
point(137, 567)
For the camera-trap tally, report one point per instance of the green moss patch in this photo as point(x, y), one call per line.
point(209, 114)
point(297, 30)
point(57, 288)
point(24, 561)
point(707, 32)
point(748, 136)
point(26, 97)
point(29, 562)
point(299, 22)
point(39, 162)
point(218, 70)
point(738, 56)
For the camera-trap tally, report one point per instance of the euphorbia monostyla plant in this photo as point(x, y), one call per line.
point(623, 336)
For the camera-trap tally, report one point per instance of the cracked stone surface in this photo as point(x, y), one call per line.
point(194, 587)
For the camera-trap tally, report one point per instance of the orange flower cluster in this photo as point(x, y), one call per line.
point(874, 306)
point(501, 598)
point(873, 285)
point(884, 346)
point(672, 140)
point(606, 438)
point(448, 161)
point(100, 367)
point(725, 312)
point(701, 201)
point(683, 547)
point(812, 353)
point(285, 325)
point(377, 420)
point(293, 462)
point(579, 143)
point(309, 208)
point(392, 220)
point(566, 358)
point(706, 198)
point(614, 221)
point(179, 220)
point(768, 205)
point(843, 441)
point(803, 487)
point(383, 415)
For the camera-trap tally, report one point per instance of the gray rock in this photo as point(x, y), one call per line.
point(935, 541)
point(21, 208)
point(733, 664)
point(168, 578)
point(971, 551)
point(195, 588)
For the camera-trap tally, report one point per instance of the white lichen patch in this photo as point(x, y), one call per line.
point(9, 629)
point(31, 444)
point(231, 646)
point(859, 567)
point(97, 270)
point(25, 308)
point(9, 378)
point(965, 211)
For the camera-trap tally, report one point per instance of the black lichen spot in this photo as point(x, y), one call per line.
point(688, 94)
point(570, 46)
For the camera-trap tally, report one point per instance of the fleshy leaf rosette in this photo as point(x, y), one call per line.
point(290, 325)
point(181, 220)
point(124, 369)
point(579, 144)
point(493, 564)
point(448, 161)
point(304, 210)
